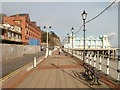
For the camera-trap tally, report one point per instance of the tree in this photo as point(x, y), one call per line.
point(44, 37)
point(53, 39)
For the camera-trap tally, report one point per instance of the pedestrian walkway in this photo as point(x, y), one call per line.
point(57, 71)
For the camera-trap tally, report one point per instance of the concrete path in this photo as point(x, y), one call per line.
point(57, 71)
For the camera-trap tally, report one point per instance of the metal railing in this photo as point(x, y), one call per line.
point(106, 65)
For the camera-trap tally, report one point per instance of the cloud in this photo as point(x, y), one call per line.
point(111, 35)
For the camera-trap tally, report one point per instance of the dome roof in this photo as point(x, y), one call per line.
point(101, 36)
point(105, 36)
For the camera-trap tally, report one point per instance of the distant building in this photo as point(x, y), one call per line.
point(101, 42)
point(2, 15)
point(10, 34)
point(29, 29)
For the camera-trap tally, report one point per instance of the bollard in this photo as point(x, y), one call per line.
point(50, 53)
point(100, 63)
point(108, 61)
point(34, 64)
point(94, 61)
point(46, 54)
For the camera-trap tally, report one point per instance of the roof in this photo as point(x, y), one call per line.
point(88, 39)
point(23, 14)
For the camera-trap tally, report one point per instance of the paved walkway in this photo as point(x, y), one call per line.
point(57, 71)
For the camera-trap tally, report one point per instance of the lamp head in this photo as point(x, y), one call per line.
point(72, 29)
point(50, 27)
point(84, 15)
point(44, 27)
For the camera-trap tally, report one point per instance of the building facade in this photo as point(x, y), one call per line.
point(10, 34)
point(29, 29)
point(101, 42)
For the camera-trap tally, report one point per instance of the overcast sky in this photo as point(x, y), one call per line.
point(64, 15)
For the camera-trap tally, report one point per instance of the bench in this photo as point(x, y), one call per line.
point(91, 74)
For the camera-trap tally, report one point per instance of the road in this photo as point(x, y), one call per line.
point(19, 62)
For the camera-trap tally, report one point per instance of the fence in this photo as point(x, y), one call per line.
point(108, 66)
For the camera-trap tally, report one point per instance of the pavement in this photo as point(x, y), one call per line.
point(19, 62)
point(56, 71)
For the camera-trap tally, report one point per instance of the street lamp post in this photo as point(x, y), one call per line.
point(67, 40)
point(47, 49)
point(67, 44)
point(72, 29)
point(84, 15)
point(54, 42)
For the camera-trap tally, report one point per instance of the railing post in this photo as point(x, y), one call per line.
point(100, 63)
point(77, 54)
point(108, 62)
point(81, 55)
point(94, 64)
point(87, 58)
point(90, 59)
point(74, 52)
point(118, 70)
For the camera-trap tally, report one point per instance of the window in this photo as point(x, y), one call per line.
point(6, 21)
point(17, 22)
point(27, 32)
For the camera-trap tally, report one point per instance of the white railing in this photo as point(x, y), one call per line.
point(108, 66)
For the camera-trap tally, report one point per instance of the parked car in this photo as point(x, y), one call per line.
point(42, 48)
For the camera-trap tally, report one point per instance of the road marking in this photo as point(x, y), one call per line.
point(18, 70)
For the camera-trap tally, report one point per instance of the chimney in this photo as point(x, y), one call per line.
point(17, 15)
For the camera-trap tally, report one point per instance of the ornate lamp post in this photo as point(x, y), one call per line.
point(67, 40)
point(67, 44)
point(84, 16)
point(72, 29)
point(47, 49)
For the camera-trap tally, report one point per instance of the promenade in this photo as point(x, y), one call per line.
point(57, 71)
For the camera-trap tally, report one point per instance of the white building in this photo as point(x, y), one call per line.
point(90, 42)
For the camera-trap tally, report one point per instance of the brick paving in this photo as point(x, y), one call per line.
point(56, 72)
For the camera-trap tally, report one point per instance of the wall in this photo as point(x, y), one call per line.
point(11, 51)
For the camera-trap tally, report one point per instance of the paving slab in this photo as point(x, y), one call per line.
point(57, 72)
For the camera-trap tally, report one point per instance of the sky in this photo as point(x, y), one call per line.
point(64, 15)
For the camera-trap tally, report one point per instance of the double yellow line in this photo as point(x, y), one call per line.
point(15, 72)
